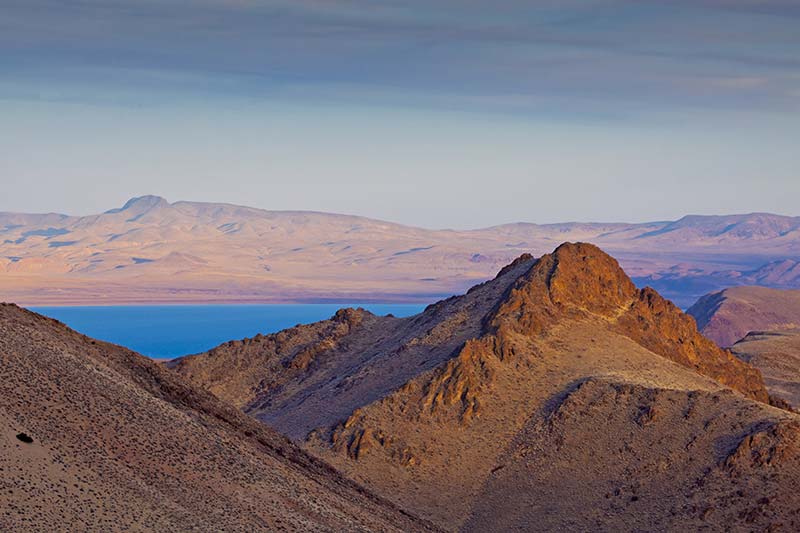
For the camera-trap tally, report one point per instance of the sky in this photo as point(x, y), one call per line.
point(449, 113)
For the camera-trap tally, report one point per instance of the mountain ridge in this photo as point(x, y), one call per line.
point(762, 327)
point(255, 255)
point(687, 220)
point(401, 405)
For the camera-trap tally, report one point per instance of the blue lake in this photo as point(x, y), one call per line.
point(166, 331)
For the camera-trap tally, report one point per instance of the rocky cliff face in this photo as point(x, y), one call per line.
point(426, 409)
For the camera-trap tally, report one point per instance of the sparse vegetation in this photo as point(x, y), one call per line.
point(557, 396)
point(131, 446)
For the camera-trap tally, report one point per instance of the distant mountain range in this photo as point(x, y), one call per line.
point(151, 250)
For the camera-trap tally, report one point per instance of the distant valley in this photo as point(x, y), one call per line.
point(153, 251)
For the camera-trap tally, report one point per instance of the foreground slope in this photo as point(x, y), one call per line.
point(96, 438)
point(728, 315)
point(555, 396)
point(151, 250)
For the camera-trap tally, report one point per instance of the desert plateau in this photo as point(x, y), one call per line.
point(153, 251)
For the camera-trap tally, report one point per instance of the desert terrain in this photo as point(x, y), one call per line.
point(94, 437)
point(597, 405)
point(154, 251)
point(727, 316)
point(399, 266)
point(762, 327)
point(777, 355)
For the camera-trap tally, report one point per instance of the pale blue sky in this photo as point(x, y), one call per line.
point(440, 114)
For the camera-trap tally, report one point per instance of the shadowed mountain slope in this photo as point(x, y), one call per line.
point(727, 316)
point(94, 437)
point(553, 396)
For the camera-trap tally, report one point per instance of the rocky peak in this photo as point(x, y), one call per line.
point(583, 275)
point(575, 278)
point(141, 204)
point(580, 281)
point(147, 201)
point(350, 316)
point(524, 258)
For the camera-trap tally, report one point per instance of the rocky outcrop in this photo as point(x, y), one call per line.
point(770, 446)
point(426, 409)
point(580, 279)
point(240, 371)
point(662, 328)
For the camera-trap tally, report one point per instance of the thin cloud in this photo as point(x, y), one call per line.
point(602, 54)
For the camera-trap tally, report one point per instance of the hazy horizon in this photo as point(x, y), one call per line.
point(593, 221)
point(448, 114)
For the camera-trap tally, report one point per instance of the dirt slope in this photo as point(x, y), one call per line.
point(777, 355)
point(118, 443)
point(438, 411)
point(663, 460)
point(727, 316)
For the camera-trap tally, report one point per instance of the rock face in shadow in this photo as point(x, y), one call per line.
point(94, 437)
point(477, 398)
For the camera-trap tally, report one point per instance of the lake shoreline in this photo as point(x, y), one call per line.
point(174, 330)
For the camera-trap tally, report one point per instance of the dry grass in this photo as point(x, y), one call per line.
point(121, 444)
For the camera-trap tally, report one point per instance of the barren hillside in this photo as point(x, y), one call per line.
point(94, 437)
point(777, 355)
point(727, 316)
